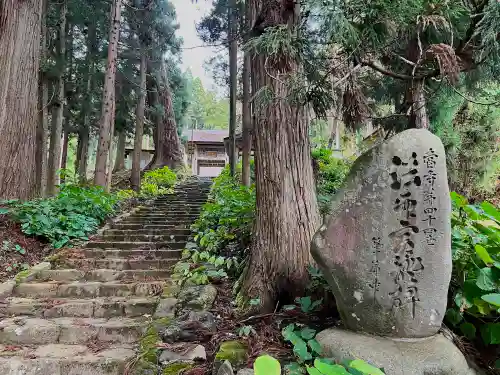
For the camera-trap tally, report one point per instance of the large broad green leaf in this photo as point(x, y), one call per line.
point(364, 368)
point(300, 350)
point(491, 211)
point(493, 299)
point(486, 279)
point(484, 255)
point(266, 365)
point(469, 330)
point(458, 200)
point(315, 346)
point(307, 333)
point(453, 316)
point(313, 371)
point(490, 332)
point(329, 369)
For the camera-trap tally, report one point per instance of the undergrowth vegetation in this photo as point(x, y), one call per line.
point(475, 307)
point(77, 211)
point(330, 172)
point(73, 213)
point(221, 233)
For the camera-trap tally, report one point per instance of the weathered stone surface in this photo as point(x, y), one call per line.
point(198, 297)
point(224, 369)
point(191, 326)
point(385, 250)
point(167, 356)
point(166, 308)
point(434, 355)
point(198, 353)
point(245, 371)
point(6, 289)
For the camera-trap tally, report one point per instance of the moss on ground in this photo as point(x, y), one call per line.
point(234, 351)
point(176, 368)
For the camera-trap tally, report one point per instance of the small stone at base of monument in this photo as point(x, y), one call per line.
point(434, 355)
point(386, 248)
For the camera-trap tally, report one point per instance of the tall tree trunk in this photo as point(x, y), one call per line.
point(57, 106)
point(247, 113)
point(43, 112)
point(82, 154)
point(68, 93)
point(167, 143)
point(153, 100)
point(83, 131)
point(233, 83)
point(64, 155)
point(287, 212)
point(108, 108)
point(19, 64)
point(120, 151)
point(415, 105)
point(135, 178)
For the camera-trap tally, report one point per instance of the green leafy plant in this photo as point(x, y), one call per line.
point(227, 217)
point(125, 194)
point(158, 182)
point(203, 267)
point(267, 365)
point(246, 331)
point(302, 339)
point(476, 270)
point(8, 246)
point(306, 304)
point(330, 172)
point(74, 213)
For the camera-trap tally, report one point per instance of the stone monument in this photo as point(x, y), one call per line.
point(385, 250)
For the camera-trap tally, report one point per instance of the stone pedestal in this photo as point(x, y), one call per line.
point(434, 355)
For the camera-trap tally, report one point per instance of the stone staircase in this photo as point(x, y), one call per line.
point(86, 315)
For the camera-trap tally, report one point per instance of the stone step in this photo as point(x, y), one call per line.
point(58, 359)
point(78, 308)
point(146, 237)
point(90, 289)
point(132, 226)
point(169, 216)
point(167, 211)
point(159, 221)
point(134, 245)
point(111, 274)
point(118, 264)
point(23, 330)
point(135, 253)
point(153, 232)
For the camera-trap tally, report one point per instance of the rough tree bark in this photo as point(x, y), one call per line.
point(68, 93)
point(83, 132)
point(167, 142)
point(19, 64)
point(57, 106)
point(43, 112)
point(247, 113)
point(135, 178)
point(233, 83)
point(102, 167)
point(415, 105)
point(287, 213)
point(120, 151)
